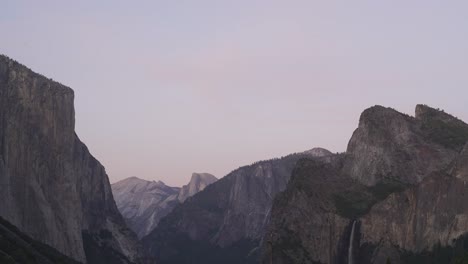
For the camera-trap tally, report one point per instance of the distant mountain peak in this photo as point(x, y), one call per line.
point(197, 183)
point(132, 179)
point(143, 203)
point(202, 177)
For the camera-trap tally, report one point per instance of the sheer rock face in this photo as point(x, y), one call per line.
point(391, 145)
point(403, 180)
point(304, 225)
point(197, 183)
point(143, 203)
point(432, 213)
point(50, 186)
point(226, 221)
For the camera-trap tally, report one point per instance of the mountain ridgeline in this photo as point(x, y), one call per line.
point(51, 188)
point(143, 203)
point(225, 223)
point(396, 196)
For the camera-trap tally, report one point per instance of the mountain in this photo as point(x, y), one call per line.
point(197, 183)
point(396, 196)
point(143, 203)
point(52, 189)
point(225, 222)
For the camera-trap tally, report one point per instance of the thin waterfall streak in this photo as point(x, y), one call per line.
point(351, 242)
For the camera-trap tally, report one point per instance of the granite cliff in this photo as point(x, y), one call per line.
point(224, 223)
point(51, 187)
point(395, 196)
point(198, 182)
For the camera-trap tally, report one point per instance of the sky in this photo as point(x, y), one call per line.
point(167, 88)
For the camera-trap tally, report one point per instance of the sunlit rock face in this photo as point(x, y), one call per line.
point(143, 203)
point(51, 187)
point(402, 182)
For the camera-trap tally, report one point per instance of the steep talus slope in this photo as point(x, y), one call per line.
point(226, 222)
point(401, 184)
point(51, 187)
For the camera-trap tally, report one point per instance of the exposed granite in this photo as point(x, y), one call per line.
point(402, 181)
point(226, 222)
point(198, 182)
point(391, 145)
point(51, 187)
point(143, 203)
point(433, 213)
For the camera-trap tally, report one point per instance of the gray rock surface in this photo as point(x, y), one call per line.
point(197, 183)
point(18, 248)
point(391, 145)
point(51, 187)
point(143, 203)
point(433, 213)
point(403, 180)
point(305, 226)
point(225, 222)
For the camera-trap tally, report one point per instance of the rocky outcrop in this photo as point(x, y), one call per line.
point(400, 186)
point(431, 214)
point(393, 146)
point(51, 187)
point(226, 222)
point(197, 183)
point(143, 203)
point(318, 152)
point(305, 227)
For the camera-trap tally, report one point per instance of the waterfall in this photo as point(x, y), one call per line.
point(351, 242)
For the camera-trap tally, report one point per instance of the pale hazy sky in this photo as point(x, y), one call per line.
point(167, 88)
